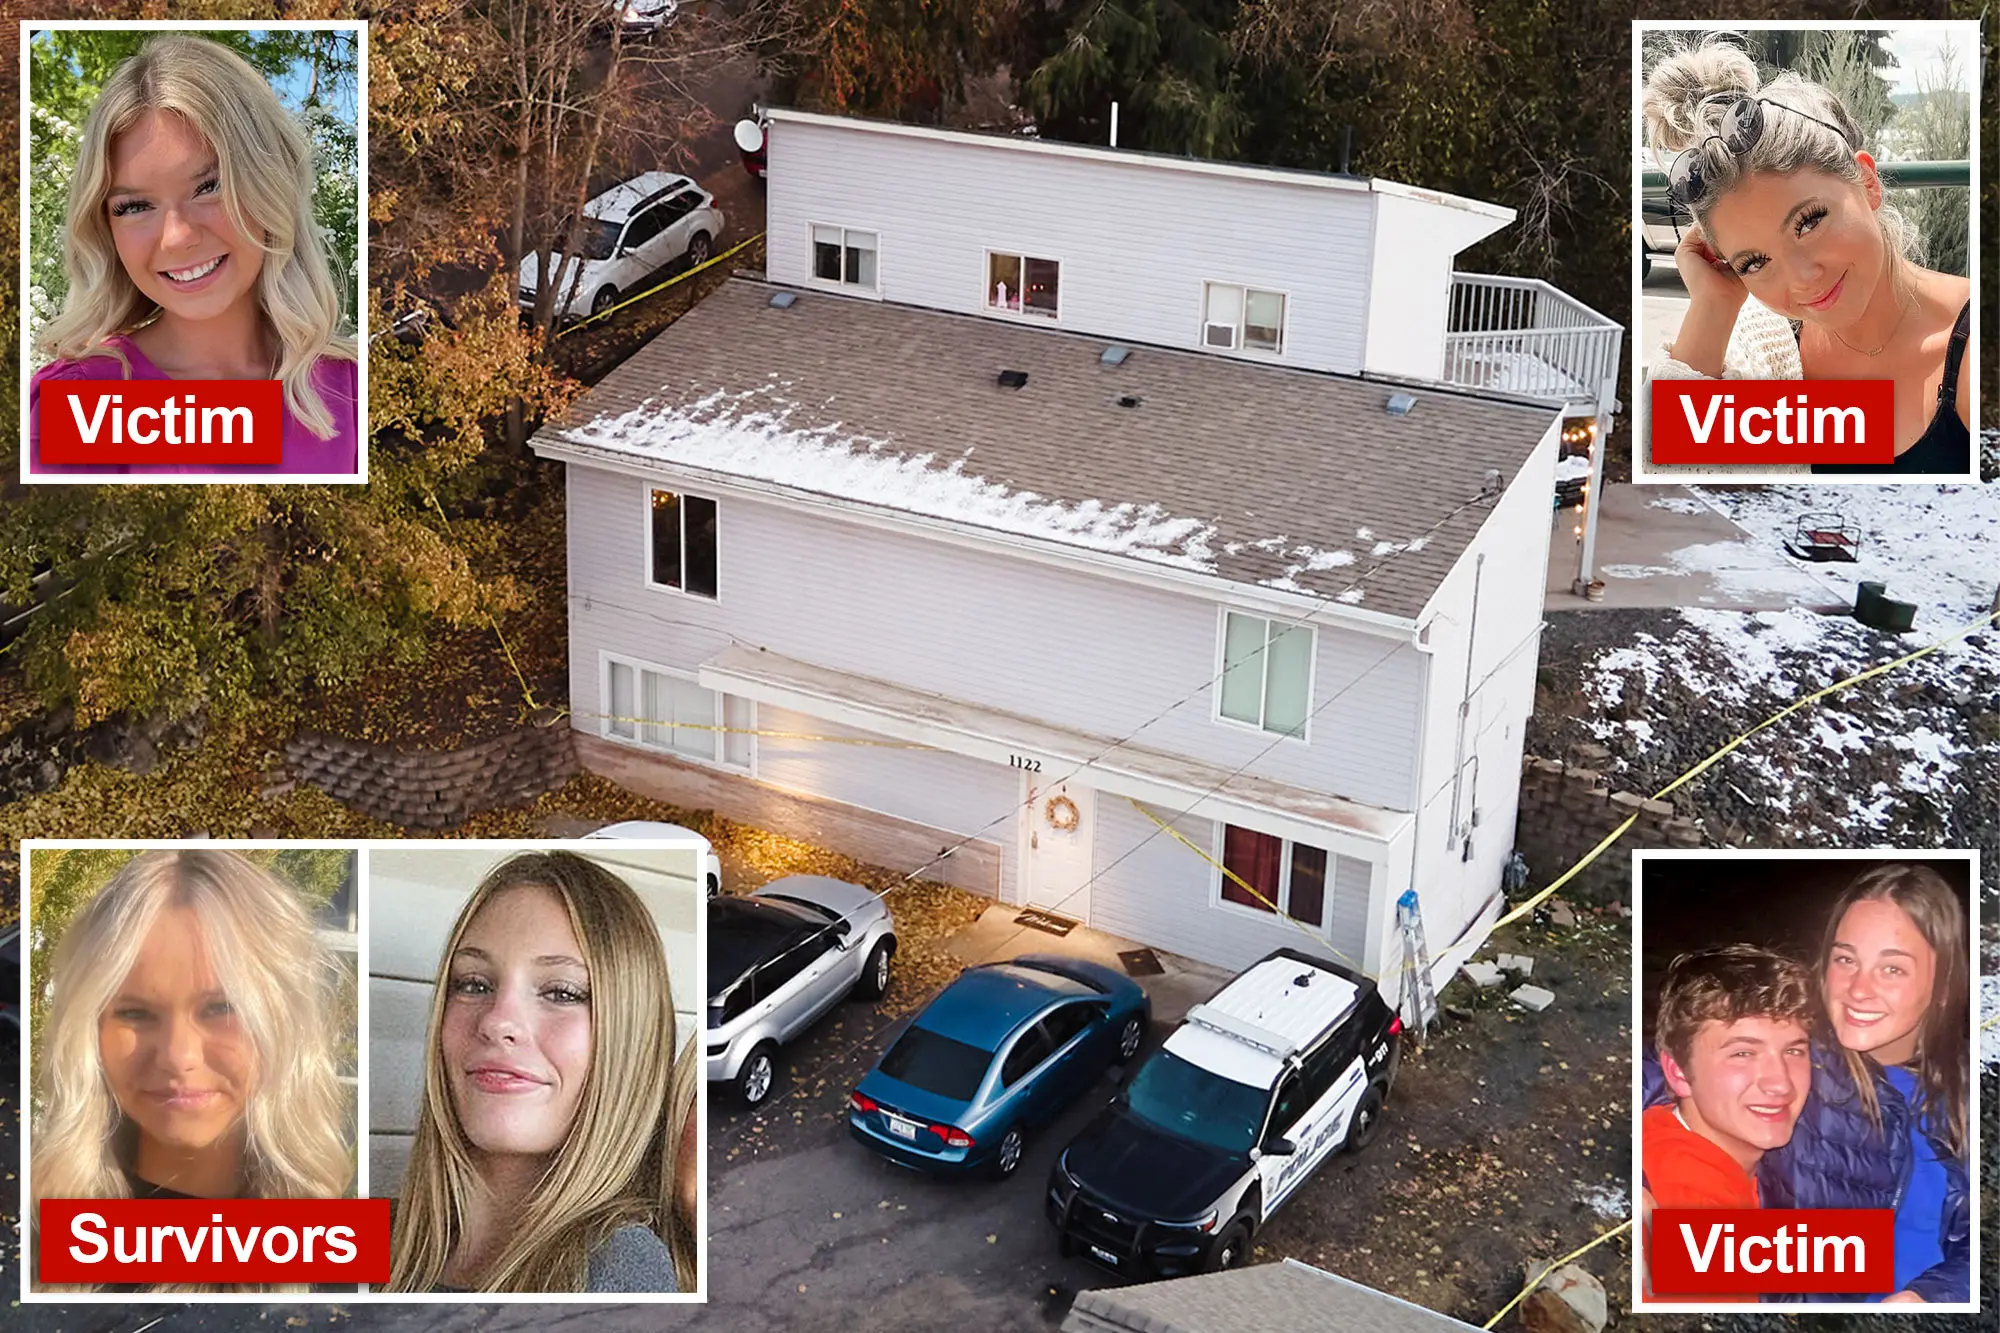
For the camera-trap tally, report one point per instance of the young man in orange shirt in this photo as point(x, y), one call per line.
point(1733, 1033)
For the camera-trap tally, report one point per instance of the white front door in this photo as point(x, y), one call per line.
point(1057, 823)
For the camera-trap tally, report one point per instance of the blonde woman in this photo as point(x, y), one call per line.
point(192, 255)
point(682, 1124)
point(543, 1156)
point(188, 1046)
point(1796, 267)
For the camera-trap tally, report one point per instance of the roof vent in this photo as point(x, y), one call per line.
point(1491, 486)
point(1128, 400)
point(1400, 404)
point(783, 300)
point(1113, 356)
point(1011, 379)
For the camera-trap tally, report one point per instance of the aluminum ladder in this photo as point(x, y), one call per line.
point(1417, 960)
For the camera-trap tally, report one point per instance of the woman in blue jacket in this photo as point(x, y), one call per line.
point(1886, 1123)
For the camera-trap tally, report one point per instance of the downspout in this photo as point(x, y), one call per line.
point(1465, 703)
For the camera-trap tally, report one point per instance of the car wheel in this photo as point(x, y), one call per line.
point(604, 300)
point(1129, 1038)
point(699, 249)
point(875, 972)
point(1367, 1121)
point(1007, 1157)
point(1231, 1249)
point(759, 1073)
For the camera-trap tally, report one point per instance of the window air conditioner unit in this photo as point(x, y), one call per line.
point(1219, 335)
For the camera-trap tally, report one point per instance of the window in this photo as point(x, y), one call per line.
point(844, 256)
point(1023, 285)
point(1242, 317)
point(666, 712)
point(645, 227)
point(1071, 1019)
point(682, 540)
point(781, 971)
point(1286, 876)
point(1266, 673)
point(1033, 1047)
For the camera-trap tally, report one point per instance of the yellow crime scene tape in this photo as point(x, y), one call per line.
point(678, 277)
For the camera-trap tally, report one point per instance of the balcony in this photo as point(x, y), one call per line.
point(1520, 335)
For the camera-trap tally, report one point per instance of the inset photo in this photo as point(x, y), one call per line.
point(1806, 1118)
point(534, 1076)
point(193, 250)
point(1806, 265)
point(192, 1025)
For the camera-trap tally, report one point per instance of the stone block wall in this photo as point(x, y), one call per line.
point(436, 789)
point(1567, 808)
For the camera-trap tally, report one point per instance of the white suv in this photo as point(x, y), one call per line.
point(630, 232)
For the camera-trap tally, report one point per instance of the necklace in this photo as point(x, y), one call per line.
point(1887, 339)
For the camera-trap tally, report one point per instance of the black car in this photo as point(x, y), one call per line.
point(1287, 1064)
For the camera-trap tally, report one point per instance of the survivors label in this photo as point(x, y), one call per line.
point(149, 1241)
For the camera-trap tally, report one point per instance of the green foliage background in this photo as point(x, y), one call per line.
point(67, 71)
point(62, 881)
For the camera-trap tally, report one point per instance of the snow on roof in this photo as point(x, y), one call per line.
point(1251, 473)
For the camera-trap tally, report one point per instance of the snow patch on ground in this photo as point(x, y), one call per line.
point(1989, 1010)
point(730, 432)
point(1607, 1201)
point(1679, 504)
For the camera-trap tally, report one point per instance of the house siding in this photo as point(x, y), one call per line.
point(1152, 887)
point(1410, 305)
point(1117, 281)
point(1093, 654)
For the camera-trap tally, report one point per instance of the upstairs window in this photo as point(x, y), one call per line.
point(1023, 285)
point(1242, 318)
point(844, 256)
point(1266, 673)
point(681, 543)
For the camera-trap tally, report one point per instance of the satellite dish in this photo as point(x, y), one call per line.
point(749, 136)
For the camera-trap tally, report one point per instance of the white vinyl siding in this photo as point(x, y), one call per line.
point(1119, 280)
point(667, 711)
point(1266, 673)
point(845, 257)
point(1065, 646)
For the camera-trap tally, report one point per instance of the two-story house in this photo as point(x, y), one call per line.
point(1105, 517)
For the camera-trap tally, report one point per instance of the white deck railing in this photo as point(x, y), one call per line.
point(1521, 335)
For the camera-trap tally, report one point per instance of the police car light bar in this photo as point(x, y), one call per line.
point(1236, 1029)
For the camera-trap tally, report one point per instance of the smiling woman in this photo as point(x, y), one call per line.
point(188, 1045)
point(1796, 267)
point(545, 1145)
point(192, 254)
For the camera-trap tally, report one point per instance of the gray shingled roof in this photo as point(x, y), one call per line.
point(1256, 473)
point(1288, 1297)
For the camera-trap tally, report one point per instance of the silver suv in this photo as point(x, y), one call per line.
point(778, 959)
point(630, 232)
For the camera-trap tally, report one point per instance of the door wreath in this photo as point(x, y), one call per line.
point(1061, 812)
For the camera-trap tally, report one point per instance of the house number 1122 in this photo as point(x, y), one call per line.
point(1022, 761)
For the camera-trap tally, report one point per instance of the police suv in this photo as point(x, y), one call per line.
point(1287, 1064)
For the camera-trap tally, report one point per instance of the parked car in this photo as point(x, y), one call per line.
point(778, 959)
point(711, 867)
point(997, 1055)
point(643, 19)
point(630, 232)
point(1288, 1063)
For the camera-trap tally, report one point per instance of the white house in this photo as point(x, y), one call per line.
point(1105, 518)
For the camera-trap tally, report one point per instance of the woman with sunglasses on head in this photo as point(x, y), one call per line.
point(1796, 267)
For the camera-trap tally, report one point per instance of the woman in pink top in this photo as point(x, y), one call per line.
point(192, 255)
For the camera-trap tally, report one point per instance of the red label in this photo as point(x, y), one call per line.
point(1750, 1251)
point(1774, 421)
point(162, 421)
point(214, 1240)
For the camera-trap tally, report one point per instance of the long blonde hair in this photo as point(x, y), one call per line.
point(282, 984)
point(265, 169)
point(615, 1166)
point(681, 1107)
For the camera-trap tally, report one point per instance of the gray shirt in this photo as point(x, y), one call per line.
point(632, 1259)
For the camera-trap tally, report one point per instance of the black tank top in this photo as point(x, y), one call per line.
point(1946, 444)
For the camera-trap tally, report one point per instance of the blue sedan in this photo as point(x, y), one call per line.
point(1004, 1049)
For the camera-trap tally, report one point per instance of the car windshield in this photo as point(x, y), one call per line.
point(937, 1063)
point(1189, 1102)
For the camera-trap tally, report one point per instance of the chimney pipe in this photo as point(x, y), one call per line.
point(1114, 124)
